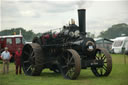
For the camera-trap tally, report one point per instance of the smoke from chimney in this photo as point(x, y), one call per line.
point(81, 4)
point(84, 4)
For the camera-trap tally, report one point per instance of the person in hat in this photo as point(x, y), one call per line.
point(5, 56)
point(18, 54)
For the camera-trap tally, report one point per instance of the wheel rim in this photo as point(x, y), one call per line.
point(28, 60)
point(70, 64)
point(105, 70)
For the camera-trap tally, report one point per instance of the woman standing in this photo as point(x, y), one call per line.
point(18, 54)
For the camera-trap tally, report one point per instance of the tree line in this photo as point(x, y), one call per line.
point(28, 35)
point(114, 31)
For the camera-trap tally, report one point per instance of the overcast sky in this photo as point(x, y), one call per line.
point(43, 15)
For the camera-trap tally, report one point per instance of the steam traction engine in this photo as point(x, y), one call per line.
point(66, 52)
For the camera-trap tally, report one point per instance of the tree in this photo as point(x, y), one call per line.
point(28, 35)
point(115, 31)
point(90, 35)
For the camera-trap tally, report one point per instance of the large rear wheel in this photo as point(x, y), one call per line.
point(31, 59)
point(70, 64)
point(103, 55)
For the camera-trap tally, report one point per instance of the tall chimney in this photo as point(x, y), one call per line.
point(81, 17)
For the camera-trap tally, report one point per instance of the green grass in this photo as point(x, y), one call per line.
point(118, 76)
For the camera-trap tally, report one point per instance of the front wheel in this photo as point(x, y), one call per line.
point(103, 55)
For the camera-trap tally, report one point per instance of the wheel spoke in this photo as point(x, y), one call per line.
point(26, 53)
point(105, 68)
point(64, 58)
point(104, 57)
point(70, 60)
point(72, 64)
point(29, 68)
point(70, 72)
point(67, 73)
point(101, 71)
point(32, 69)
point(26, 61)
point(32, 53)
point(64, 66)
point(97, 57)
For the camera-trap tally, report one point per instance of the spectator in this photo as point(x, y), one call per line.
point(18, 54)
point(6, 58)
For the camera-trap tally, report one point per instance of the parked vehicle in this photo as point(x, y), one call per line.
point(104, 43)
point(120, 44)
point(13, 42)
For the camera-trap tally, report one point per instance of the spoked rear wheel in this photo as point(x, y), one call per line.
point(31, 58)
point(102, 54)
point(70, 64)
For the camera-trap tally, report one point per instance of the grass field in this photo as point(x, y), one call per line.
point(118, 76)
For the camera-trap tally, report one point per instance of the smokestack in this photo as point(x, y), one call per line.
point(81, 17)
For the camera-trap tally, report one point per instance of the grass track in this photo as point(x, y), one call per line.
point(118, 76)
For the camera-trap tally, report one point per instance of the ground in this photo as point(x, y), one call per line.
point(118, 76)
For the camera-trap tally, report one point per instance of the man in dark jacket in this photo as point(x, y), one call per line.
point(18, 54)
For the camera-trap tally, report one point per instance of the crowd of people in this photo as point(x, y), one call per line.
point(5, 56)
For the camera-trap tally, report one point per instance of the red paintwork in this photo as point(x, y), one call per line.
point(55, 35)
point(47, 36)
point(17, 57)
point(12, 48)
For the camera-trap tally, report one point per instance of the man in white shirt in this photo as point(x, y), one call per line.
point(6, 58)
